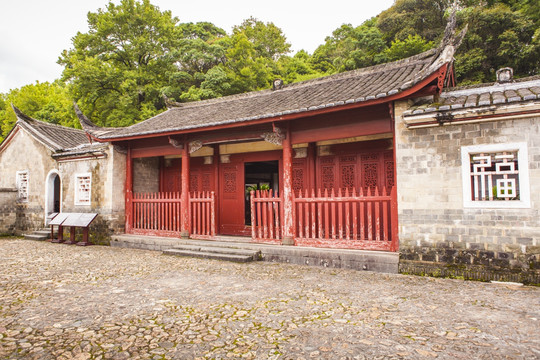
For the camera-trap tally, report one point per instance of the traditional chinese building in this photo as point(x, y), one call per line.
point(319, 155)
point(390, 159)
point(47, 168)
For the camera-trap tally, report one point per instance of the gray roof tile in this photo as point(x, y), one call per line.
point(55, 137)
point(484, 95)
point(346, 88)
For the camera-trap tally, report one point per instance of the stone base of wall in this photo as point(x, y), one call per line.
point(469, 264)
point(8, 211)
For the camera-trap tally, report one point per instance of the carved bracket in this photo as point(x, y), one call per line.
point(195, 145)
point(276, 137)
point(120, 149)
point(176, 143)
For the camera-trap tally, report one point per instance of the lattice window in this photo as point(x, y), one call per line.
point(298, 179)
point(370, 175)
point(83, 189)
point(206, 182)
point(495, 175)
point(22, 185)
point(347, 176)
point(328, 177)
point(194, 182)
point(389, 172)
point(230, 182)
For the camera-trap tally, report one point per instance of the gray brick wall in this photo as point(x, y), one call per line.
point(435, 228)
point(146, 175)
point(8, 210)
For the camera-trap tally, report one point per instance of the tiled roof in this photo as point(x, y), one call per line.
point(358, 86)
point(55, 137)
point(526, 89)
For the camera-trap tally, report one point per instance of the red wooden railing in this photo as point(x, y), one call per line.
point(202, 214)
point(266, 215)
point(156, 213)
point(346, 219)
point(159, 214)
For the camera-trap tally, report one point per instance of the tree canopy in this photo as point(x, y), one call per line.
point(134, 53)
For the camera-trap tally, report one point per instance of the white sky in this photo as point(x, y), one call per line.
point(33, 33)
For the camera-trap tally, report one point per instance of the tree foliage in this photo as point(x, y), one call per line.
point(45, 101)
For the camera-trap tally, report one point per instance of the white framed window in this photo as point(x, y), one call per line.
point(495, 176)
point(83, 189)
point(21, 182)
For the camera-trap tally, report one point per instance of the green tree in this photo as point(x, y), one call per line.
point(351, 48)
point(412, 45)
point(414, 17)
point(43, 101)
point(117, 69)
point(497, 37)
point(268, 40)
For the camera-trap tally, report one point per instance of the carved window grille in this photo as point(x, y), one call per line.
point(22, 185)
point(328, 177)
point(230, 182)
point(298, 179)
point(206, 182)
point(389, 170)
point(194, 182)
point(83, 189)
point(347, 176)
point(370, 175)
point(495, 175)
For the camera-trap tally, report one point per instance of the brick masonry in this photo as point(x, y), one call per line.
point(146, 175)
point(8, 210)
point(437, 233)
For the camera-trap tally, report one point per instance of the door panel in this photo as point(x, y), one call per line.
point(232, 199)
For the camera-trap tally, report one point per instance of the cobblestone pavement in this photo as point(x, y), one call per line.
point(63, 302)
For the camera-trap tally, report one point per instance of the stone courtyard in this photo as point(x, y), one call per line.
point(69, 302)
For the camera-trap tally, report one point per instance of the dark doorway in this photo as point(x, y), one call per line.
point(260, 175)
point(56, 196)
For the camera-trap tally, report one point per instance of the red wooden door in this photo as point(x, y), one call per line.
point(232, 220)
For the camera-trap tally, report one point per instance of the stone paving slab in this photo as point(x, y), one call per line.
point(68, 302)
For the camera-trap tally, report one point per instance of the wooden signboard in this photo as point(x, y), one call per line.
point(59, 219)
point(79, 219)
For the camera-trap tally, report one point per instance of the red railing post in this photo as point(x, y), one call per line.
point(394, 246)
point(253, 217)
point(129, 191)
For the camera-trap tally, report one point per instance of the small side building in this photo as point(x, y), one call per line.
point(48, 168)
point(468, 170)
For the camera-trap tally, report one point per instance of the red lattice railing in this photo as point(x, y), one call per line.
point(156, 213)
point(202, 213)
point(346, 219)
point(266, 216)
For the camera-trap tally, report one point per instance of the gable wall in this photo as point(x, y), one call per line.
point(435, 228)
point(25, 153)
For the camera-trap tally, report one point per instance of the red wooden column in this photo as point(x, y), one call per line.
point(184, 197)
point(129, 191)
point(288, 238)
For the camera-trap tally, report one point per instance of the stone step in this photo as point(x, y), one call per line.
point(255, 254)
point(210, 255)
point(35, 236)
